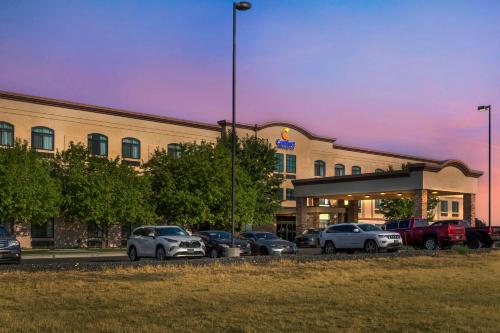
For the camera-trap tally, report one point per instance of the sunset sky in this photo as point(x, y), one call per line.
point(404, 76)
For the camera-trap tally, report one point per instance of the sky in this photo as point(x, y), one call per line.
point(404, 76)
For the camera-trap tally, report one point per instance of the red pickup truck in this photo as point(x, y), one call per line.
point(418, 233)
point(476, 236)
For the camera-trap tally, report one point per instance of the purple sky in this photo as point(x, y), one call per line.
point(404, 76)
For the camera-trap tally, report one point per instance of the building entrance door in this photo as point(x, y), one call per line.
point(285, 227)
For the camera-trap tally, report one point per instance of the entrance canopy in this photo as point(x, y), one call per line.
point(447, 178)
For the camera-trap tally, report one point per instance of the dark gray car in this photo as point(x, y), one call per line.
point(10, 249)
point(266, 243)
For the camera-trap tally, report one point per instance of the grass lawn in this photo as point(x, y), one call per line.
point(448, 293)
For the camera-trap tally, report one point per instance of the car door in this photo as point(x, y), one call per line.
point(356, 237)
point(337, 235)
point(138, 241)
point(149, 242)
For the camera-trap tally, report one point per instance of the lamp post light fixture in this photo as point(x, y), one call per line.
point(488, 108)
point(237, 6)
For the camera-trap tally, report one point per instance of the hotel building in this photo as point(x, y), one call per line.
point(325, 181)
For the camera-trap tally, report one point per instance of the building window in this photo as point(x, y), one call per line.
point(291, 163)
point(278, 194)
point(455, 207)
point(278, 163)
point(324, 202)
point(444, 208)
point(43, 231)
point(319, 168)
point(290, 194)
point(339, 170)
point(359, 206)
point(131, 148)
point(6, 134)
point(98, 144)
point(174, 150)
point(378, 202)
point(42, 138)
point(94, 230)
point(379, 170)
point(356, 170)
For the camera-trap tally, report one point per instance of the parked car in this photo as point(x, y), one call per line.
point(477, 237)
point(163, 242)
point(351, 236)
point(10, 248)
point(266, 243)
point(418, 233)
point(216, 240)
point(309, 238)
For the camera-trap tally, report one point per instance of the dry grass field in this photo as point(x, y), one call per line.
point(449, 293)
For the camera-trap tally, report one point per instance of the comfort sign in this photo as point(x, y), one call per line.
point(283, 143)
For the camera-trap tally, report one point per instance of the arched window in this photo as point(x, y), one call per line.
point(42, 138)
point(6, 134)
point(319, 168)
point(174, 150)
point(98, 144)
point(339, 170)
point(379, 170)
point(356, 170)
point(131, 148)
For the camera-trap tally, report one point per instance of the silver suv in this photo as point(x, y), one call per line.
point(162, 242)
point(352, 236)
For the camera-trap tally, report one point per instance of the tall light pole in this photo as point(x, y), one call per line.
point(488, 108)
point(237, 6)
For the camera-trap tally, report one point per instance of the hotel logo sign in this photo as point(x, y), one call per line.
point(284, 143)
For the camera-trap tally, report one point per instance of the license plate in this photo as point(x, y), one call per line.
point(190, 250)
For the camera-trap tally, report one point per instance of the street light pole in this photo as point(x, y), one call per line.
point(241, 6)
point(488, 108)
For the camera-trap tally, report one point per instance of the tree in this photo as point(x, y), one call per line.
point(102, 191)
point(403, 208)
point(28, 193)
point(195, 188)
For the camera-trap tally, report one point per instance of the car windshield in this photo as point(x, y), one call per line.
point(219, 234)
point(171, 231)
point(265, 235)
point(3, 232)
point(368, 227)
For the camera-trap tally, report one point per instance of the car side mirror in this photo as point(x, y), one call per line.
point(356, 230)
point(151, 234)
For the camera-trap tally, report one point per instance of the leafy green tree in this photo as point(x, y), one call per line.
point(102, 191)
point(27, 191)
point(195, 188)
point(403, 208)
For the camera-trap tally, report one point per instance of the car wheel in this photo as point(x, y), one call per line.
point(214, 253)
point(430, 243)
point(132, 254)
point(160, 253)
point(263, 251)
point(371, 246)
point(474, 243)
point(329, 248)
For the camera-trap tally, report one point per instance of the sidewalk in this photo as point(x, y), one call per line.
point(72, 253)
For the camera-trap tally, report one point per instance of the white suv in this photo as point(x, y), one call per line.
point(163, 242)
point(352, 236)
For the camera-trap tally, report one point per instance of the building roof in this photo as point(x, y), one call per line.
point(169, 120)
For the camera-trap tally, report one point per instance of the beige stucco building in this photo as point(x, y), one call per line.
point(50, 125)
